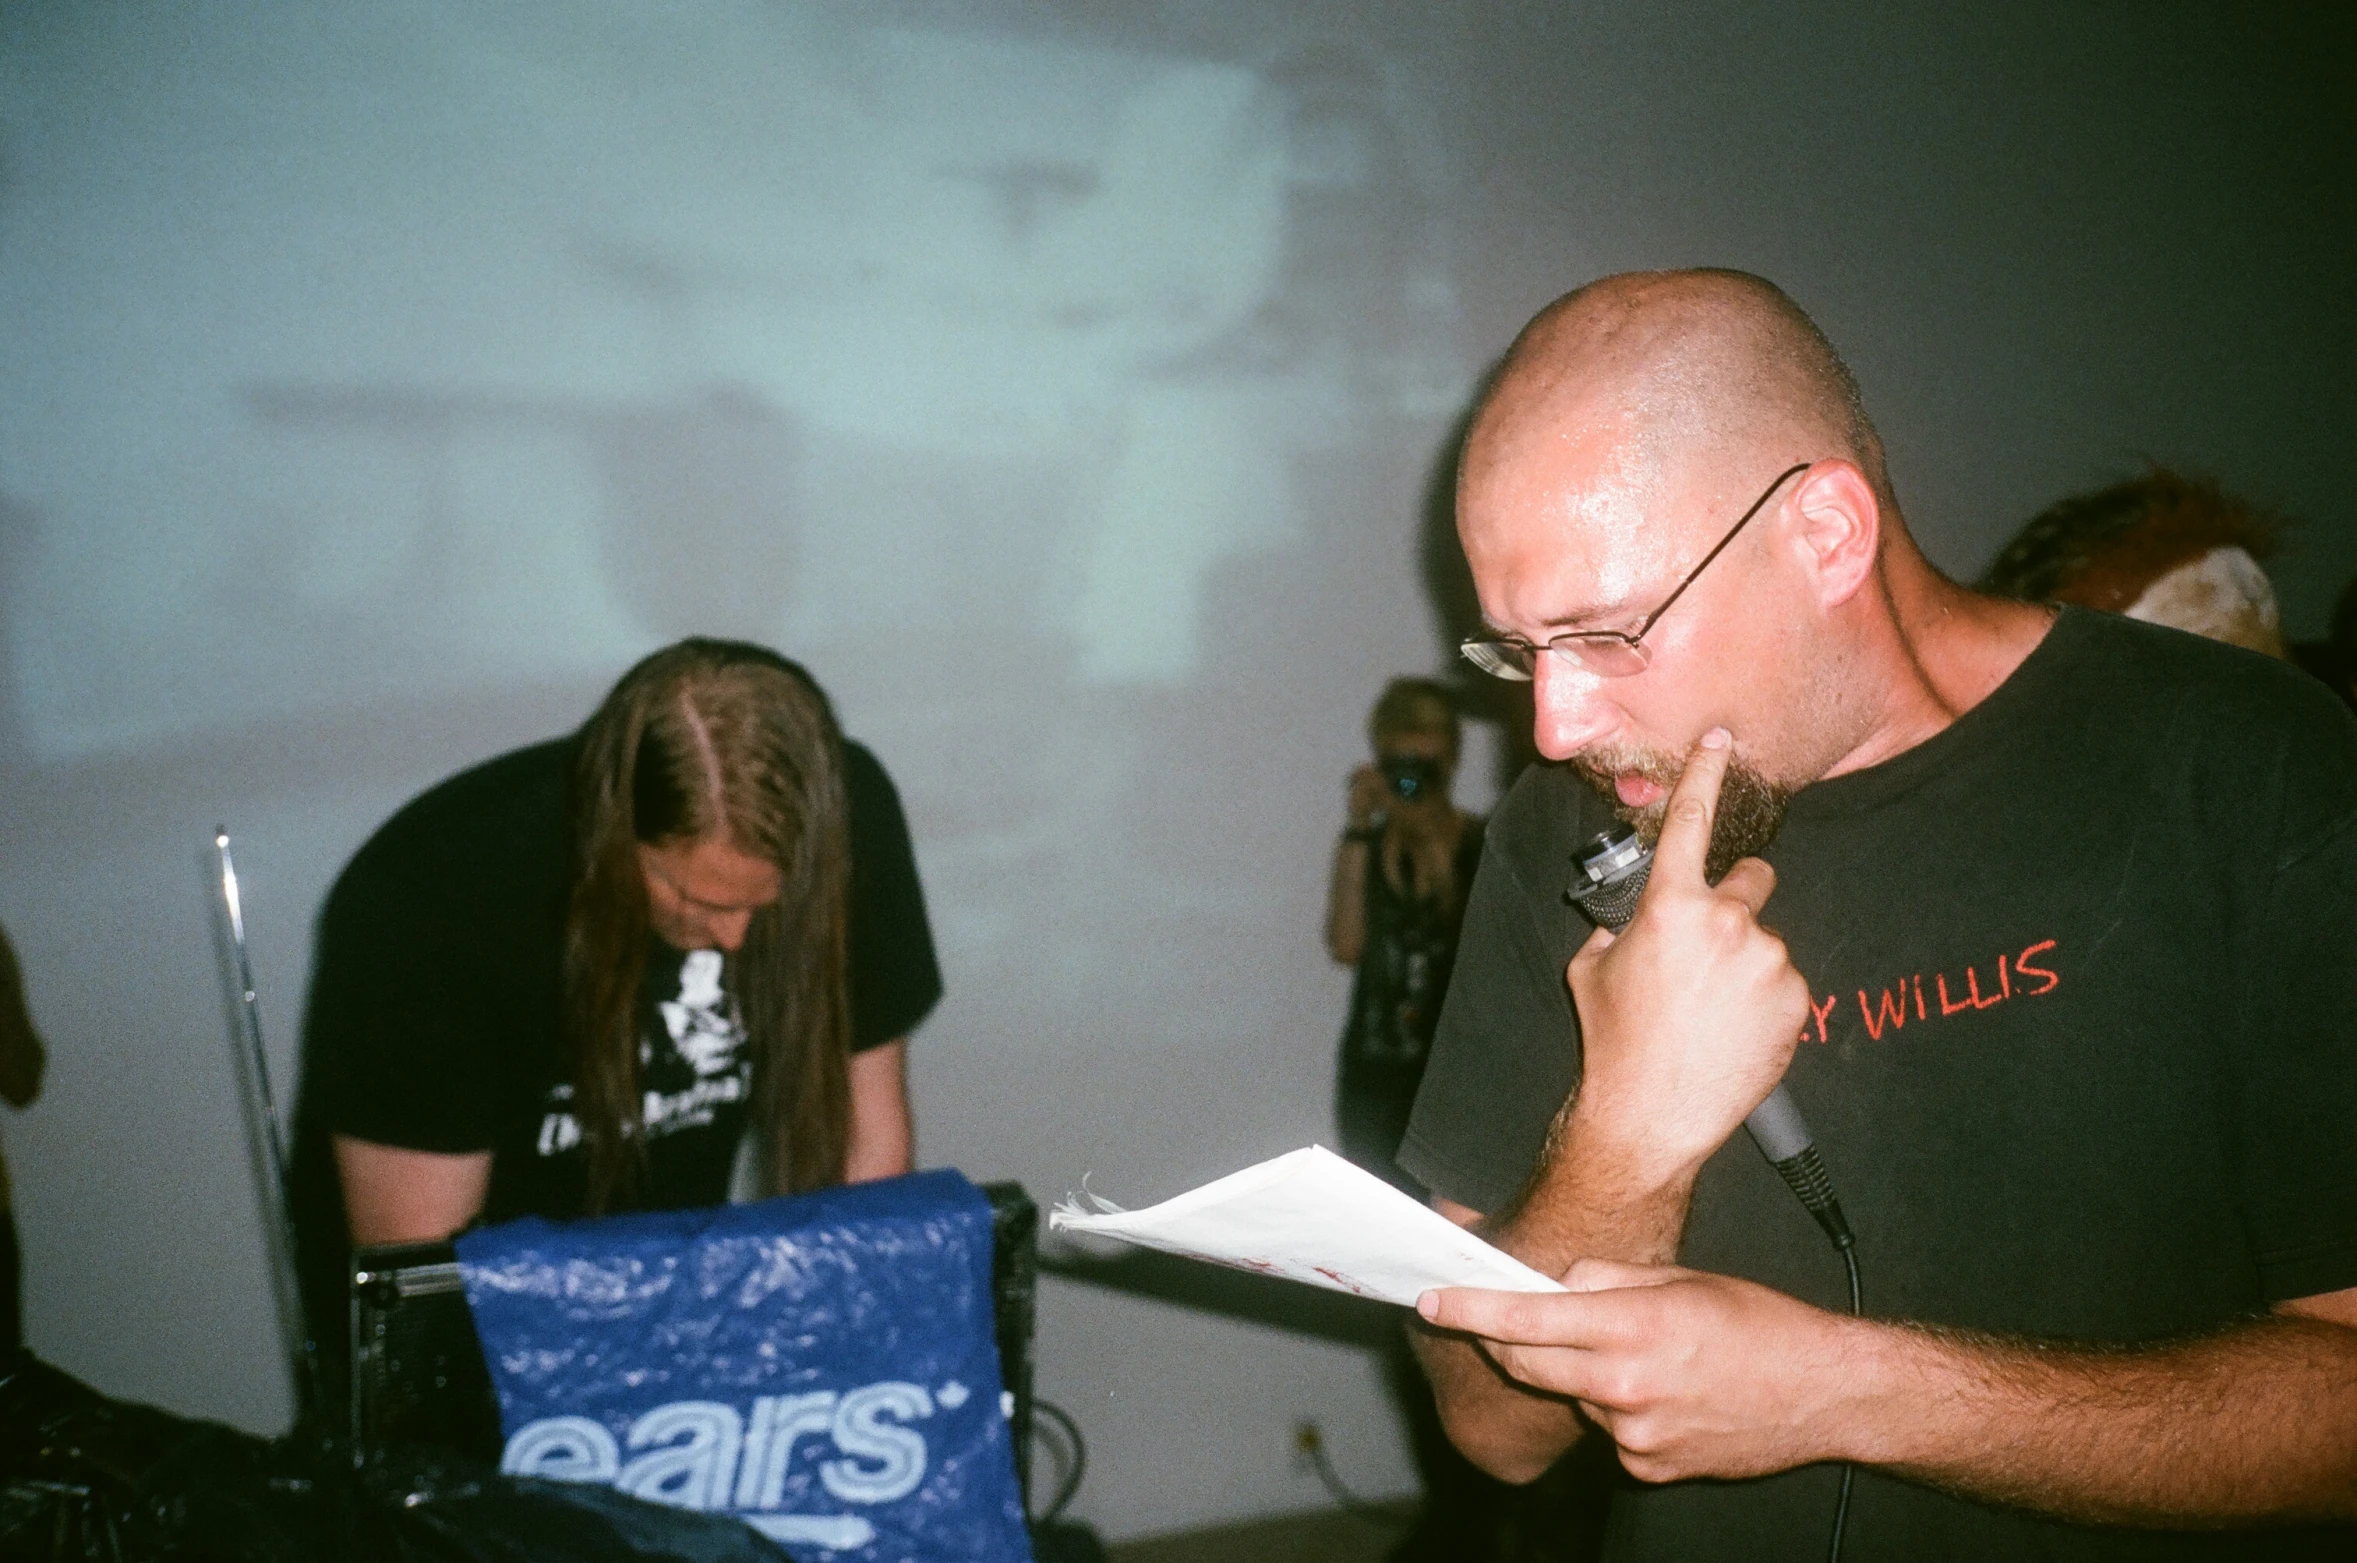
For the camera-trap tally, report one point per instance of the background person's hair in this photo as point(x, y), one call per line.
point(714, 739)
point(1415, 705)
point(2109, 547)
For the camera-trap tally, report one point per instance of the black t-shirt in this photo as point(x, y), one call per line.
point(2082, 1059)
point(1408, 945)
point(436, 1008)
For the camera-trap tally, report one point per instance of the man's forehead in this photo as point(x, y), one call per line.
point(1568, 527)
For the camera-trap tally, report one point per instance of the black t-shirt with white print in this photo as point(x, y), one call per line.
point(695, 1078)
point(436, 1017)
point(2082, 1053)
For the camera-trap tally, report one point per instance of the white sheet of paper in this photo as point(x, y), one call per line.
point(1310, 1216)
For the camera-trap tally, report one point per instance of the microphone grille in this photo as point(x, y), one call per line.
point(1611, 906)
point(1612, 870)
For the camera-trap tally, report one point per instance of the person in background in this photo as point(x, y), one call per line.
point(2165, 548)
point(572, 980)
point(1393, 903)
point(1394, 899)
point(22, 1061)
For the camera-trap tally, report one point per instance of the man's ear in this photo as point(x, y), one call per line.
point(1839, 529)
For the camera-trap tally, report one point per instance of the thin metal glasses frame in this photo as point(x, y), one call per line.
point(1518, 659)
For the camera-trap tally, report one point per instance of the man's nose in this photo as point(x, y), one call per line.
point(1568, 711)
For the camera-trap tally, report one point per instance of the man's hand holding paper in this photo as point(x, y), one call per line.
point(1310, 1216)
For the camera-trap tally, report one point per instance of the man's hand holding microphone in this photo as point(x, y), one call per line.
point(1688, 1019)
point(1689, 1016)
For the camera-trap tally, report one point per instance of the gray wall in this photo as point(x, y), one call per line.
point(1065, 387)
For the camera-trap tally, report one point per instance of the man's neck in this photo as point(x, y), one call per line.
point(1932, 651)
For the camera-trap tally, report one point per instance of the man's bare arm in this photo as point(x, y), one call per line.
point(1700, 1375)
point(1687, 1022)
point(1513, 1430)
point(883, 1138)
point(395, 1195)
point(2258, 1422)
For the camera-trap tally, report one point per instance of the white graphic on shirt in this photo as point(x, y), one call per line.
point(560, 1131)
point(702, 1022)
point(705, 1032)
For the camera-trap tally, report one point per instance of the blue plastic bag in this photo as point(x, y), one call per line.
point(823, 1366)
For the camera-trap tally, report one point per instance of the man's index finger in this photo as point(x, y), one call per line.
point(1694, 804)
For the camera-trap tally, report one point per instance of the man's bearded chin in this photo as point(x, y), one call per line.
point(1751, 807)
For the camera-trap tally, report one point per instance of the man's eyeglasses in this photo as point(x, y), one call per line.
point(1605, 653)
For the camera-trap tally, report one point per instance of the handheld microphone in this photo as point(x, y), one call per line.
point(1611, 871)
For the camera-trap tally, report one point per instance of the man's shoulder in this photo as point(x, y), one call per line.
point(460, 895)
point(2235, 718)
point(877, 824)
point(2226, 745)
point(486, 796)
point(864, 777)
point(2109, 657)
point(509, 810)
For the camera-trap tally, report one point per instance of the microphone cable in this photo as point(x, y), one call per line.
point(1849, 1471)
point(1611, 873)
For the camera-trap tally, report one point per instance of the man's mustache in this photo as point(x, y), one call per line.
point(1751, 807)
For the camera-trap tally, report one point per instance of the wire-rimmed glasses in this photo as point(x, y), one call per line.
point(1605, 653)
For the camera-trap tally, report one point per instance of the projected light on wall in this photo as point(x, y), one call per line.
point(391, 359)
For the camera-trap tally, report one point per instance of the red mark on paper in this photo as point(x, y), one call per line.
point(1343, 1281)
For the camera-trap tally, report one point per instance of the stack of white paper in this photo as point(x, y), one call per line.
point(1311, 1216)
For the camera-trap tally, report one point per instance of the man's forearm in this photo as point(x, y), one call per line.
point(2257, 1422)
point(1509, 1430)
point(1579, 1206)
point(1588, 1200)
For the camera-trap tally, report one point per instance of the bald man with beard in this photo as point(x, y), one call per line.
point(2044, 919)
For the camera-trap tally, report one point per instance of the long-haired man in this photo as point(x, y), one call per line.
point(572, 979)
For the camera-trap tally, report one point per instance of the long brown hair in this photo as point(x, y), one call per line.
point(714, 738)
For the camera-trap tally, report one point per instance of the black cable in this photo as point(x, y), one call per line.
point(1313, 1444)
point(1074, 1460)
point(1841, 1507)
point(1612, 871)
point(1804, 1173)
